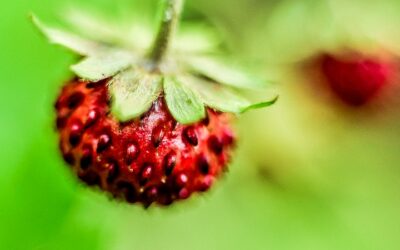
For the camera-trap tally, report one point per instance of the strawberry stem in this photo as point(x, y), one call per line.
point(169, 23)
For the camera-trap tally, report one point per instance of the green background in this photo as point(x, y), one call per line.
point(310, 173)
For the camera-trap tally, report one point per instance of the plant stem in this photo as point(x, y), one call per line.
point(169, 23)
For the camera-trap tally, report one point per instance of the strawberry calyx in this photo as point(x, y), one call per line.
point(189, 82)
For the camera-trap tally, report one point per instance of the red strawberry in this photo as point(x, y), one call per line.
point(149, 159)
point(356, 80)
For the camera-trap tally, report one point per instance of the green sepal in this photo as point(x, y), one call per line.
point(218, 97)
point(97, 27)
point(260, 105)
point(133, 92)
point(184, 104)
point(223, 98)
point(221, 72)
point(196, 39)
point(103, 65)
point(66, 39)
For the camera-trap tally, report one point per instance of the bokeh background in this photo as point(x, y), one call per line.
point(310, 172)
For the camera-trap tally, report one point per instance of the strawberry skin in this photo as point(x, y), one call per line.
point(355, 80)
point(150, 159)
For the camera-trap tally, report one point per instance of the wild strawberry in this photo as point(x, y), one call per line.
point(150, 158)
point(356, 79)
point(151, 128)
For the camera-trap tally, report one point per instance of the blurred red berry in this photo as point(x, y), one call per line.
point(357, 79)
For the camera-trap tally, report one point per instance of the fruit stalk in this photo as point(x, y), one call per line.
point(169, 23)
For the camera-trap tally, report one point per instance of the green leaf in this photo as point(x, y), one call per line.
point(184, 104)
point(223, 98)
point(68, 40)
point(220, 72)
point(103, 65)
point(133, 93)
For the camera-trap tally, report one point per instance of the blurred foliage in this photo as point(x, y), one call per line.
point(309, 174)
